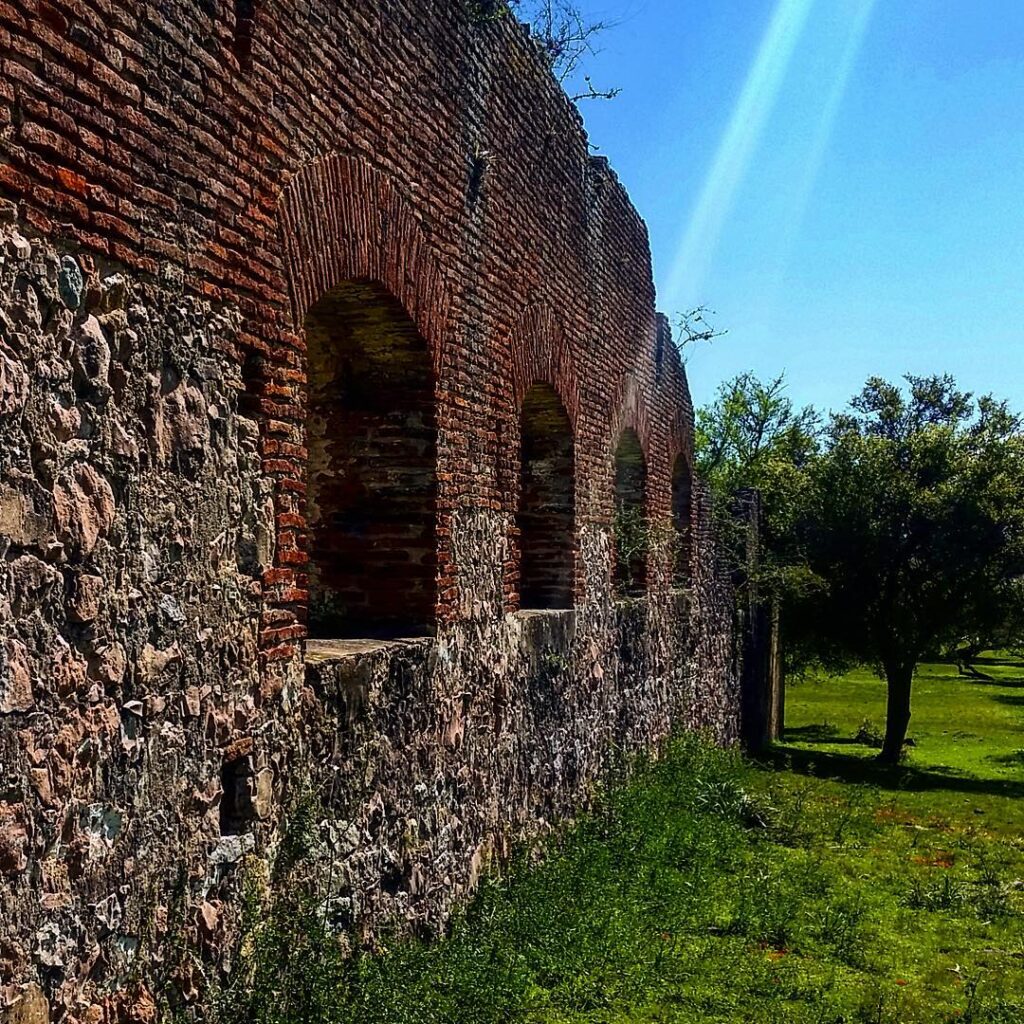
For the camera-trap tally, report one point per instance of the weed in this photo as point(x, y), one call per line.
point(789, 825)
point(880, 1006)
point(869, 735)
point(555, 663)
point(946, 894)
point(632, 535)
point(839, 924)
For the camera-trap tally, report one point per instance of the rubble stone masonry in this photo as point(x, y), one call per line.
point(283, 285)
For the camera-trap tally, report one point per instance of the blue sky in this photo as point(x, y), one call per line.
point(842, 180)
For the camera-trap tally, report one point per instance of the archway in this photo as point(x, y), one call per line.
point(371, 501)
point(546, 518)
point(631, 528)
point(682, 520)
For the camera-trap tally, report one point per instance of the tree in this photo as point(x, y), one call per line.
point(915, 523)
point(752, 437)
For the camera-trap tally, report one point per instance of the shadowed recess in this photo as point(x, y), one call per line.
point(372, 478)
point(546, 502)
point(245, 18)
point(682, 519)
point(630, 521)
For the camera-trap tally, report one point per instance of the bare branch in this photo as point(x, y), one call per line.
point(594, 94)
point(566, 38)
point(694, 327)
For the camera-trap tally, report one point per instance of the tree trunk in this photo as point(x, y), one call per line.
point(965, 663)
point(897, 713)
point(968, 669)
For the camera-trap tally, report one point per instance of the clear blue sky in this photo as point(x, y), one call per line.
point(842, 180)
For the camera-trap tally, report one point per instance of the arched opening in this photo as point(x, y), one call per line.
point(682, 520)
point(547, 502)
point(371, 499)
point(631, 530)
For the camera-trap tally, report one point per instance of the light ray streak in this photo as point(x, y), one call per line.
point(822, 137)
point(729, 167)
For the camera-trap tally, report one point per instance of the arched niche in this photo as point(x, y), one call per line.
point(631, 528)
point(547, 502)
point(682, 521)
point(371, 438)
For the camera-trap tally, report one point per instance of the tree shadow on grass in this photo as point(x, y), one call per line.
point(1008, 682)
point(825, 732)
point(1013, 682)
point(995, 659)
point(867, 771)
point(984, 665)
point(1011, 760)
point(1013, 699)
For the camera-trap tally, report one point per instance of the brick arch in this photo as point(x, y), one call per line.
point(341, 220)
point(540, 354)
point(629, 409)
point(536, 351)
point(631, 472)
point(680, 441)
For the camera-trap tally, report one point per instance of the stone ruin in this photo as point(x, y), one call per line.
point(328, 361)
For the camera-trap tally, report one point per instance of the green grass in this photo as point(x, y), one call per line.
point(968, 735)
point(812, 888)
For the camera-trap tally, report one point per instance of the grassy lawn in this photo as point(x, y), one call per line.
point(968, 735)
point(811, 887)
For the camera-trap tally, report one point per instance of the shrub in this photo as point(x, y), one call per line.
point(869, 735)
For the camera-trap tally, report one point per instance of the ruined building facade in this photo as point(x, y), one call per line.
point(327, 356)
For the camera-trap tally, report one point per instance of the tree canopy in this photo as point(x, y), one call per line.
point(914, 521)
point(751, 437)
point(895, 529)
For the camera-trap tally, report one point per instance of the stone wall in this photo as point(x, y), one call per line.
point(186, 200)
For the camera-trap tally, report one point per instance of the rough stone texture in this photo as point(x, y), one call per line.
point(181, 193)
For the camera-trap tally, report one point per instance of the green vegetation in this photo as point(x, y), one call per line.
point(632, 542)
point(818, 887)
point(914, 522)
point(751, 437)
point(892, 530)
point(967, 758)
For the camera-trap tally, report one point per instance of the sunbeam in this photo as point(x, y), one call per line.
point(727, 171)
point(800, 196)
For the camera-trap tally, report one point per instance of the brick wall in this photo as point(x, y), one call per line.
point(279, 278)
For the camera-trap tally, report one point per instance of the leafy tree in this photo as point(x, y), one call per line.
point(996, 622)
point(915, 523)
point(752, 437)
